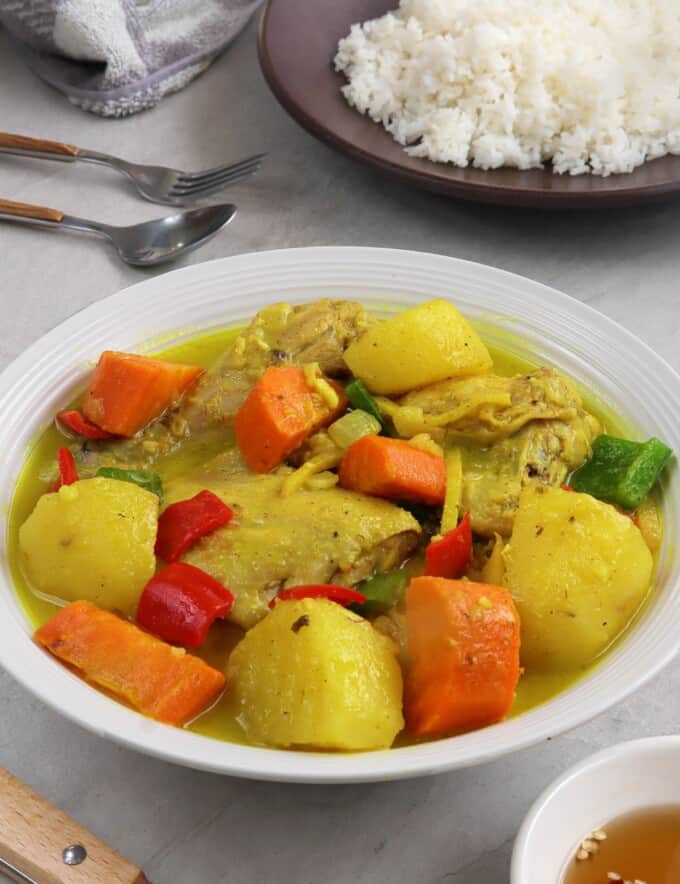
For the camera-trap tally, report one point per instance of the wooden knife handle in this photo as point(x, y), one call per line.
point(42, 145)
point(34, 834)
point(25, 210)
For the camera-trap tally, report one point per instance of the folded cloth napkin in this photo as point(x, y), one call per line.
point(117, 57)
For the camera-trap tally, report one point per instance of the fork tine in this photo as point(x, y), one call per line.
point(214, 183)
point(229, 174)
point(189, 178)
point(235, 170)
point(207, 189)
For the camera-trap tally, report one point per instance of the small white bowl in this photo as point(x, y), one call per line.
point(619, 780)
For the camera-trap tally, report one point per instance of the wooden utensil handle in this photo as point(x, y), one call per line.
point(34, 834)
point(25, 210)
point(23, 142)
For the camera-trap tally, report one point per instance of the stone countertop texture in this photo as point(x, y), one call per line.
point(184, 826)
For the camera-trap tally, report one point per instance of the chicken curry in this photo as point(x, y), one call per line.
point(327, 531)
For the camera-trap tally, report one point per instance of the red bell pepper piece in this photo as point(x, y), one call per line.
point(566, 488)
point(81, 426)
point(68, 474)
point(343, 595)
point(450, 556)
point(182, 524)
point(180, 604)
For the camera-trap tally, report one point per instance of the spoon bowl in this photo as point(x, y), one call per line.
point(143, 245)
point(163, 239)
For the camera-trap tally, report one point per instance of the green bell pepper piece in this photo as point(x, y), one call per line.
point(359, 397)
point(620, 471)
point(382, 591)
point(144, 478)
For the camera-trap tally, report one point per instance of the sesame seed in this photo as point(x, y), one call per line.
point(615, 878)
point(590, 845)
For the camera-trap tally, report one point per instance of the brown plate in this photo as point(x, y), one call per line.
point(298, 40)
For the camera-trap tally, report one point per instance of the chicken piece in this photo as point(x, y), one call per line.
point(277, 541)
point(486, 409)
point(318, 332)
point(511, 430)
point(542, 452)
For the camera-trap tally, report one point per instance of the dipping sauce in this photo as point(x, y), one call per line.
point(638, 848)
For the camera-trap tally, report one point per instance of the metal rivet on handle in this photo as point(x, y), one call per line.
point(74, 854)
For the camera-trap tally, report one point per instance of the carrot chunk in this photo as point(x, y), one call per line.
point(280, 412)
point(128, 391)
point(163, 682)
point(463, 644)
point(394, 469)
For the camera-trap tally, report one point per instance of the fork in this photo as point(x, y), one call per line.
point(159, 184)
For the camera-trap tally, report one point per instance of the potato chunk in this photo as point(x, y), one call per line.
point(92, 540)
point(420, 346)
point(578, 570)
point(313, 674)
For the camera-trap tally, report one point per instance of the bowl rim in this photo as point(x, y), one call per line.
point(36, 671)
point(629, 748)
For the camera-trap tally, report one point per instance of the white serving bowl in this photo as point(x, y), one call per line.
point(526, 317)
point(622, 779)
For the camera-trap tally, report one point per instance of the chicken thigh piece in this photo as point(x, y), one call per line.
point(279, 334)
point(277, 541)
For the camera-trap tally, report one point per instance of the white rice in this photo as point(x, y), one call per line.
point(590, 85)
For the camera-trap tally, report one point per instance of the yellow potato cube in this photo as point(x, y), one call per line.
point(92, 540)
point(418, 347)
point(313, 674)
point(578, 571)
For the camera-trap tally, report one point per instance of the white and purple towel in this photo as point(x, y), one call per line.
point(117, 57)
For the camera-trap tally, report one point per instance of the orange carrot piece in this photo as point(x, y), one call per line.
point(463, 644)
point(127, 391)
point(163, 682)
point(394, 469)
point(280, 412)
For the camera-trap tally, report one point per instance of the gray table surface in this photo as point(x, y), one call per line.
point(185, 826)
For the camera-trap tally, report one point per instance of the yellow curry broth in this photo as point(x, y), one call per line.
point(220, 721)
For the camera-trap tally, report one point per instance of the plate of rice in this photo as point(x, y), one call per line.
point(545, 103)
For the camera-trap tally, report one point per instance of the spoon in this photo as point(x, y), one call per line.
point(145, 244)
